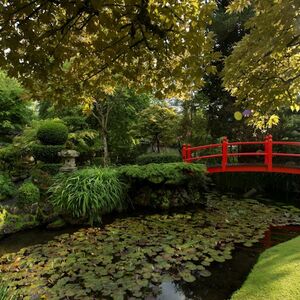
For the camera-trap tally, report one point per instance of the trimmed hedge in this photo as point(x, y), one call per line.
point(47, 153)
point(149, 158)
point(168, 173)
point(52, 133)
point(163, 186)
point(28, 194)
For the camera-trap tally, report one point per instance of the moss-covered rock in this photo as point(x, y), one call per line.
point(10, 223)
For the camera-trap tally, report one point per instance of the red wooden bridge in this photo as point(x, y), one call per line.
point(226, 156)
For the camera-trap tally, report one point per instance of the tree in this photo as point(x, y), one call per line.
point(114, 114)
point(158, 124)
point(14, 113)
point(159, 45)
point(263, 68)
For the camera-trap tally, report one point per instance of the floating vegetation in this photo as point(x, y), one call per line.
point(131, 257)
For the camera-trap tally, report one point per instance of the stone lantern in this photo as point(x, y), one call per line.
point(69, 161)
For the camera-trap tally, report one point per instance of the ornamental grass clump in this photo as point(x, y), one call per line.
point(88, 193)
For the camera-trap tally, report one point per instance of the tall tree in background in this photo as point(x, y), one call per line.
point(114, 114)
point(158, 125)
point(220, 108)
point(263, 69)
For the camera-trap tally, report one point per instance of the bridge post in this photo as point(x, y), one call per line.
point(183, 152)
point(224, 153)
point(189, 152)
point(269, 152)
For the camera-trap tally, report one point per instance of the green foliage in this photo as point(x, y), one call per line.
point(86, 142)
point(157, 124)
point(75, 123)
point(14, 113)
point(5, 294)
point(134, 43)
point(88, 193)
point(169, 173)
point(51, 169)
point(9, 155)
point(47, 153)
point(28, 193)
point(7, 188)
point(52, 133)
point(148, 158)
point(266, 77)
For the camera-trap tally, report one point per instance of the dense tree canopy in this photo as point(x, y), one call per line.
point(61, 48)
point(263, 71)
point(162, 45)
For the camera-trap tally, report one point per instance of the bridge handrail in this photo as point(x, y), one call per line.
point(268, 153)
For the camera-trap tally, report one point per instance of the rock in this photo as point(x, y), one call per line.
point(250, 193)
point(57, 224)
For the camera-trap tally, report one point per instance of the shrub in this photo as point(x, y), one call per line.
point(28, 194)
point(51, 169)
point(88, 193)
point(8, 157)
point(52, 133)
point(47, 153)
point(148, 158)
point(168, 173)
point(75, 123)
point(7, 188)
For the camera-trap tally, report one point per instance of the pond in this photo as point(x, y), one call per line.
point(200, 254)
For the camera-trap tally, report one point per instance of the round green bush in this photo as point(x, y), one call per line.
point(88, 193)
point(28, 194)
point(149, 158)
point(52, 133)
point(47, 153)
point(7, 188)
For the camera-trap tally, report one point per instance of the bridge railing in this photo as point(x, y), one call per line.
point(189, 154)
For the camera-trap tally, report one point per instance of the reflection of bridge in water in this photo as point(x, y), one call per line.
point(224, 157)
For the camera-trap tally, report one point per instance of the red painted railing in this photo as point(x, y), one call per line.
point(189, 154)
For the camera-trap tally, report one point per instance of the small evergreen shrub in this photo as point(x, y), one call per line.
point(88, 193)
point(7, 188)
point(149, 158)
point(47, 153)
point(52, 133)
point(28, 194)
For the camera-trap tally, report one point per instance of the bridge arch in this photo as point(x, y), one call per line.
point(223, 152)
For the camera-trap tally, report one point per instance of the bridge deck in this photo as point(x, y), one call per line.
point(254, 167)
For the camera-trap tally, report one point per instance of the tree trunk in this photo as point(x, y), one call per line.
point(157, 144)
point(105, 149)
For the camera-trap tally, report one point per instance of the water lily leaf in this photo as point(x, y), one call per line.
point(205, 273)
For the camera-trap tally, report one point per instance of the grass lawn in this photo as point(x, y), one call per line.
point(276, 276)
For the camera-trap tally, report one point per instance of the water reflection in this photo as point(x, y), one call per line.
point(169, 290)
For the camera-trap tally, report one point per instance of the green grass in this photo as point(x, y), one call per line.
point(276, 276)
